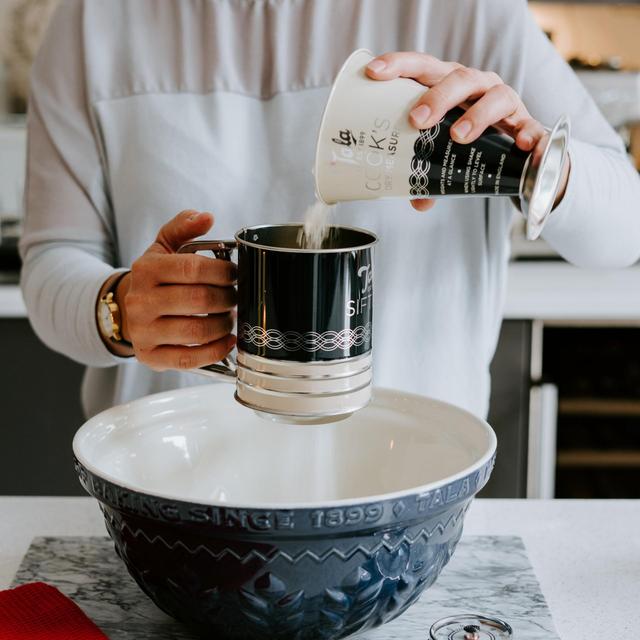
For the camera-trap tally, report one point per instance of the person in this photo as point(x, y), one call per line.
point(145, 116)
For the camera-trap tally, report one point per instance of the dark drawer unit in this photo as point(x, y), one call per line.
point(597, 372)
point(509, 410)
point(41, 412)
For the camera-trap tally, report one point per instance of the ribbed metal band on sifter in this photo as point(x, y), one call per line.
point(304, 392)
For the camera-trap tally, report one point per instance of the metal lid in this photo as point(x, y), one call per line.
point(542, 177)
point(470, 626)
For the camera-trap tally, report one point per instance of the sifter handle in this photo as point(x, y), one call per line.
point(221, 249)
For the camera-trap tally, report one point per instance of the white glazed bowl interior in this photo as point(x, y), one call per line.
point(199, 445)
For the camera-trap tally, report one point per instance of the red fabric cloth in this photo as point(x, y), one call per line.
point(40, 612)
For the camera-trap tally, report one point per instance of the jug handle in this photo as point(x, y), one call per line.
point(226, 368)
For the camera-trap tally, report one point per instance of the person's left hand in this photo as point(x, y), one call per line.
point(450, 84)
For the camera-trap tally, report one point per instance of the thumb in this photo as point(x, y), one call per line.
point(186, 226)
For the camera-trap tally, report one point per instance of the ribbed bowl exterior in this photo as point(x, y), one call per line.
point(299, 574)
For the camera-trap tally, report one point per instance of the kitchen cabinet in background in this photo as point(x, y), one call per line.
point(41, 412)
point(566, 409)
point(509, 410)
point(596, 369)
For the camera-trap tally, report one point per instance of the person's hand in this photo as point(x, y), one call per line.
point(164, 299)
point(451, 84)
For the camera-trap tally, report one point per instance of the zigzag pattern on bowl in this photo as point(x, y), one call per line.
point(290, 574)
point(273, 594)
point(424, 533)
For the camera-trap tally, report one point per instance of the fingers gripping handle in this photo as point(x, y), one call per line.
point(226, 368)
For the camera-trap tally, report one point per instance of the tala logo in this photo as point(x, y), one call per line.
point(362, 302)
point(366, 276)
point(345, 138)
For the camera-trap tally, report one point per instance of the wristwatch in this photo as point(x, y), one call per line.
point(109, 318)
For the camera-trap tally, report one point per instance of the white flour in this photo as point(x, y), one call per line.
point(317, 225)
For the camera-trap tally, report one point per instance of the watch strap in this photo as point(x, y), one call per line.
point(107, 296)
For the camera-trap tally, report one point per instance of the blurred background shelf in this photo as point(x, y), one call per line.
point(599, 407)
point(595, 458)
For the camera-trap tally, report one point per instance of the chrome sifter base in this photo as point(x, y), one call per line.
point(302, 420)
point(304, 392)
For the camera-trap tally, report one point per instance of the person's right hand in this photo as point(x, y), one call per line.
point(165, 296)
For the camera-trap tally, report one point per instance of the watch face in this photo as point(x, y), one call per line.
point(105, 319)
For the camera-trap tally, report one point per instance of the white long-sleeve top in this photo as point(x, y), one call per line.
point(142, 109)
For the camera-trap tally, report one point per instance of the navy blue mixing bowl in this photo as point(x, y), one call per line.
point(245, 528)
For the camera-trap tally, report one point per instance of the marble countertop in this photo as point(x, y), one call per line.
point(552, 290)
point(586, 554)
point(491, 575)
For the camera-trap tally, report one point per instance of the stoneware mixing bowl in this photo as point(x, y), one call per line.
point(246, 528)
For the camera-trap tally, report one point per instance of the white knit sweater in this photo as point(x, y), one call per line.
point(142, 109)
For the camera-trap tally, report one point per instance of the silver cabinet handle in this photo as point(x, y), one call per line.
point(541, 458)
